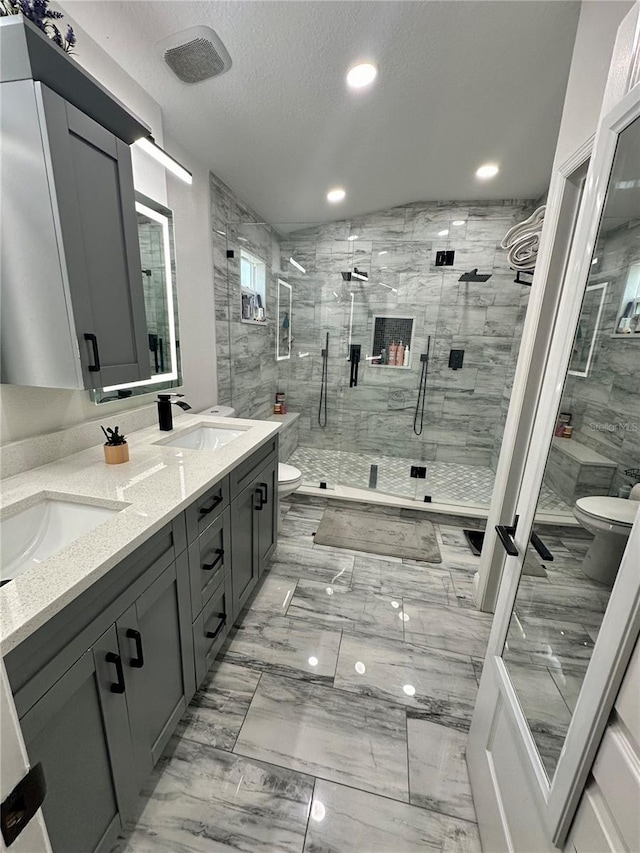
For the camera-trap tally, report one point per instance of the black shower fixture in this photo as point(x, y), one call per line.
point(360, 275)
point(474, 275)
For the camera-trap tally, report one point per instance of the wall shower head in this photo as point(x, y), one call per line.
point(474, 275)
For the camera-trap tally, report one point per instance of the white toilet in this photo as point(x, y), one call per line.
point(289, 477)
point(610, 520)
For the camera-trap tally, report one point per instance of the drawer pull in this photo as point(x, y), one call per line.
point(211, 635)
point(138, 661)
point(208, 567)
point(112, 657)
point(216, 502)
point(265, 497)
point(259, 495)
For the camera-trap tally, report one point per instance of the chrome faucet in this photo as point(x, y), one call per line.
point(165, 415)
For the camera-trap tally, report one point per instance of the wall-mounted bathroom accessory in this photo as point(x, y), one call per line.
point(418, 418)
point(456, 358)
point(588, 328)
point(474, 275)
point(418, 472)
point(359, 275)
point(116, 449)
point(285, 306)
point(445, 258)
point(165, 415)
point(522, 242)
point(355, 351)
point(322, 405)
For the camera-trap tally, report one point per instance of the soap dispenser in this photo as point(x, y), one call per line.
point(165, 415)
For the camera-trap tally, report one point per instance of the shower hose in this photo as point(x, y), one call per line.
point(418, 418)
point(322, 406)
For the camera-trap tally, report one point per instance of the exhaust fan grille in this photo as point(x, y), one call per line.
point(195, 54)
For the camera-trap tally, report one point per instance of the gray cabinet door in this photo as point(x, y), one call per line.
point(94, 199)
point(244, 545)
point(156, 641)
point(267, 512)
point(79, 730)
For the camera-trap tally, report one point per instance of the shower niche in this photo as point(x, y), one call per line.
point(392, 342)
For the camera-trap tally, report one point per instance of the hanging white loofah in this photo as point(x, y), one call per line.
point(522, 241)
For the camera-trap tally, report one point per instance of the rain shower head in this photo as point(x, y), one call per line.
point(360, 275)
point(474, 275)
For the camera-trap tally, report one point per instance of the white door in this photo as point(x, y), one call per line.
point(14, 765)
point(561, 639)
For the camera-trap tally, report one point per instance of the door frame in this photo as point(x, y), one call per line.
point(557, 800)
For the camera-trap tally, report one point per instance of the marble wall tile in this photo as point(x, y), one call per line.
point(372, 823)
point(321, 731)
point(438, 776)
point(201, 799)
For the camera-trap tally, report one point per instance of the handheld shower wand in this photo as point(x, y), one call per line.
point(422, 391)
point(322, 406)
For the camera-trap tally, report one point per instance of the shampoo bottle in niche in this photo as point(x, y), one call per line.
point(393, 350)
point(400, 355)
point(405, 360)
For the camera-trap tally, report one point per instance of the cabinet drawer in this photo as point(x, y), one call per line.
point(242, 476)
point(211, 628)
point(209, 560)
point(206, 509)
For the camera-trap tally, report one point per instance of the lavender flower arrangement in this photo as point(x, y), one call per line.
point(38, 12)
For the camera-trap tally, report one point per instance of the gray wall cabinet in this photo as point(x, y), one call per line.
point(101, 687)
point(72, 293)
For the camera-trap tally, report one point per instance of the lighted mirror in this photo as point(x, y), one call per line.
point(588, 328)
point(155, 235)
point(283, 338)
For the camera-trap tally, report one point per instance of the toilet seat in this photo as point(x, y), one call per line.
point(288, 474)
point(619, 511)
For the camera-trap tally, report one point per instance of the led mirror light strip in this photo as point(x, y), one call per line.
point(149, 145)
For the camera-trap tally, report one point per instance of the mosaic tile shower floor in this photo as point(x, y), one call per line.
point(446, 482)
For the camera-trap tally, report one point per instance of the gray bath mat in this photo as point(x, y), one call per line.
point(375, 533)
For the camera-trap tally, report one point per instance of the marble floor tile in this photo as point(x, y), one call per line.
point(273, 594)
point(543, 706)
point(397, 579)
point(343, 819)
point(322, 574)
point(435, 685)
point(344, 607)
point(548, 599)
point(311, 558)
point(453, 629)
point(477, 664)
point(300, 529)
point(201, 799)
point(438, 775)
point(548, 642)
point(323, 732)
point(569, 683)
point(284, 646)
point(218, 709)
point(464, 588)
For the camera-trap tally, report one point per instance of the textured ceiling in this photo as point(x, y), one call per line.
point(461, 82)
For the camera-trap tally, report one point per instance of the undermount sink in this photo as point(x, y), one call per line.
point(203, 437)
point(30, 535)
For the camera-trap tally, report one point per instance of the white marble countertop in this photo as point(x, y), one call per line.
point(156, 485)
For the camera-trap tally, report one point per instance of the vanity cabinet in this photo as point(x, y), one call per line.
point(72, 292)
point(79, 730)
point(253, 530)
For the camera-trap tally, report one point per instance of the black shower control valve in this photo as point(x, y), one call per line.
point(427, 499)
point(231, 253)
point(456, 358)
point(445, 258)
point(424, 356)
point(323, 484)
point(419, 472)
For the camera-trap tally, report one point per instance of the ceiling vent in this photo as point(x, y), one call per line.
point(195, 54)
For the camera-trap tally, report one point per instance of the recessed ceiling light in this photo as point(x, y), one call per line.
point(337, 194)
point(458, 222)
point(361, 75)
point(352, 237)
point(443, 233)
point(489, 170)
